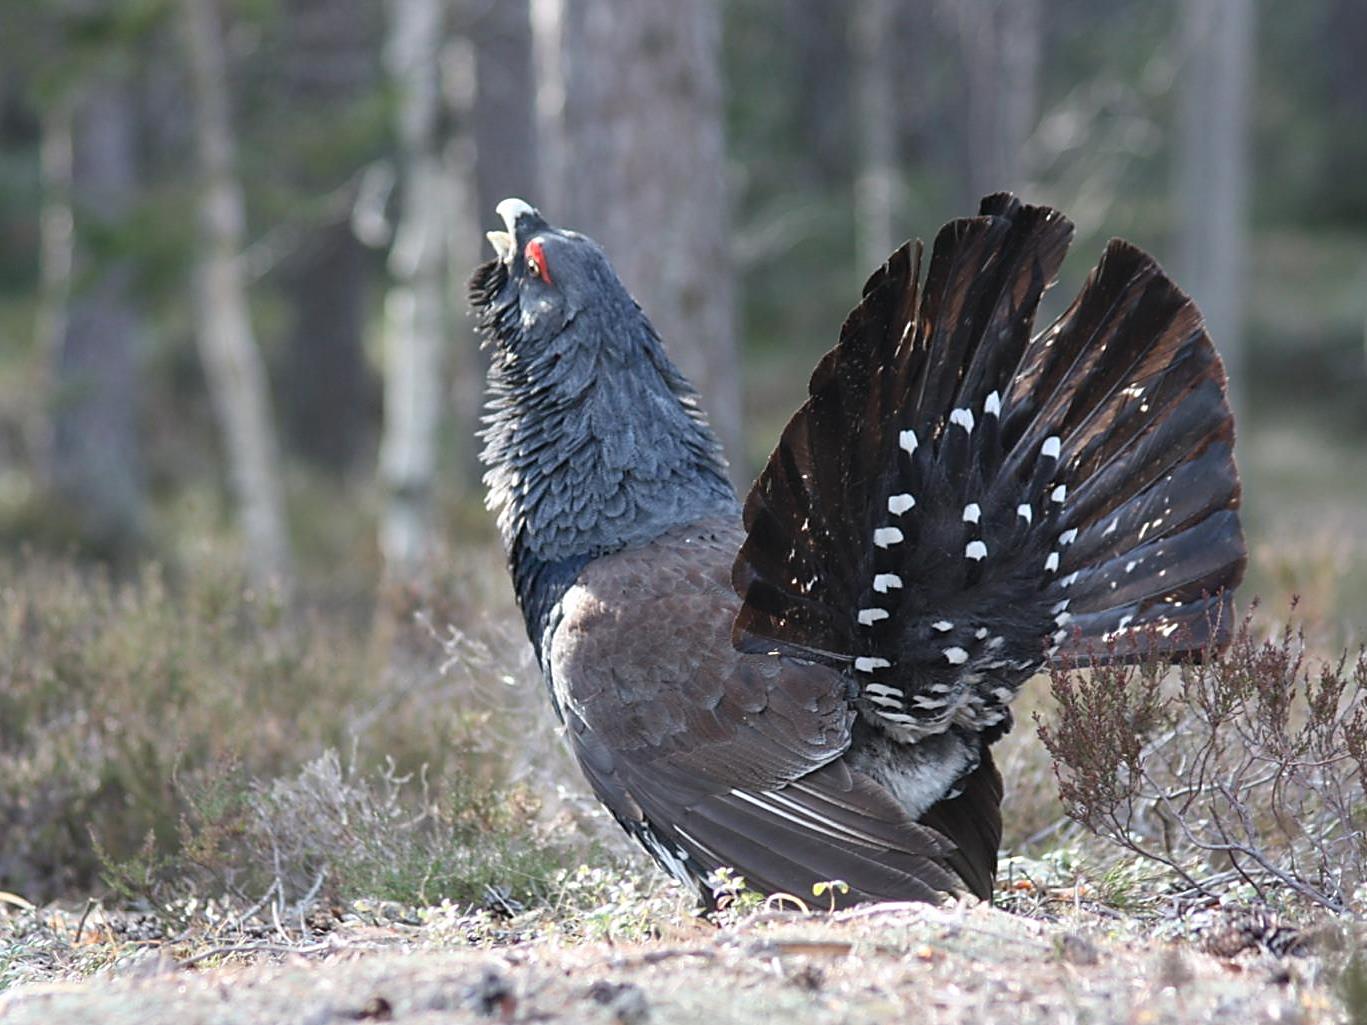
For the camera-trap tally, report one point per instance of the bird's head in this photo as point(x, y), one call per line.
point(543, 280)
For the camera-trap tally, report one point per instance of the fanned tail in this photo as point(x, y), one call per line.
point(961, 499)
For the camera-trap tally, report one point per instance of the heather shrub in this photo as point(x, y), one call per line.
point(332, 832)
point(106, 690)
point(155, 729)
point(1244, 769)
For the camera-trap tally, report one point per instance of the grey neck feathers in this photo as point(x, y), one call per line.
point(595, 442)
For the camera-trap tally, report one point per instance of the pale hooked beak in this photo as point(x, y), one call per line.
point(505, 242)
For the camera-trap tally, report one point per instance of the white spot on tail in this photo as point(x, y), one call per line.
point(1125, 621)
point(1052, 447)
point(865, 664)
point(882, 689)
point(883, 581)
point(1069, 580)
point(943, 625)
point(1129, 566)
point(1059, 606)
point(956, 656)
point(870, 616)
point(962, 417)
point(980, 633)
point(898, 718)
point(907, 441)
point(883, 699)
point(1059, 493)
point(1063, 619)
point(975, 550)
point(1026, 513)
point(1068, 537)
point(1111, 529)
point(996, 642)
point(898, 504)
point(1051, 563)
point(972, 513)
point(993, 405)
point(886, 537)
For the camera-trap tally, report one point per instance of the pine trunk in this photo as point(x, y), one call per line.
point(91, 327)
point(325, 387)
point(505, 107)
point(631, 110)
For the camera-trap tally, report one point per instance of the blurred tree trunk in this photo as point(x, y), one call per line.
point(1216, 40)
point(505, 106)
point(507, 163)
point(822, 92)
point(1001, 42)
point(232, 361)
point(929, 148)
point(632, 106)
point(325, 387)
point(415, 307)
point(56, 264)
point(91, 329)
point(325, 376)
point(876, 179)
point(465, 243)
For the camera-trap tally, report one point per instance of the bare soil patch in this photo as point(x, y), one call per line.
point(888, 963)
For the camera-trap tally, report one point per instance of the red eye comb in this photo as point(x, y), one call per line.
point(536, 261)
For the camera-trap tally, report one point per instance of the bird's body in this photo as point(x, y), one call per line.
point(804, 688)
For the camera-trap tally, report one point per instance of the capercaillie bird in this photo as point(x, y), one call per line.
point(806, 687)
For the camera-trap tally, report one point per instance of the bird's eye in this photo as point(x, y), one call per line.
point(536, 262)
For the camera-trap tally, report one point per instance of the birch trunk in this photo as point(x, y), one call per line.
point(415, 306)
point(631, 125)
point(1212, 168)
point(232, 361)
